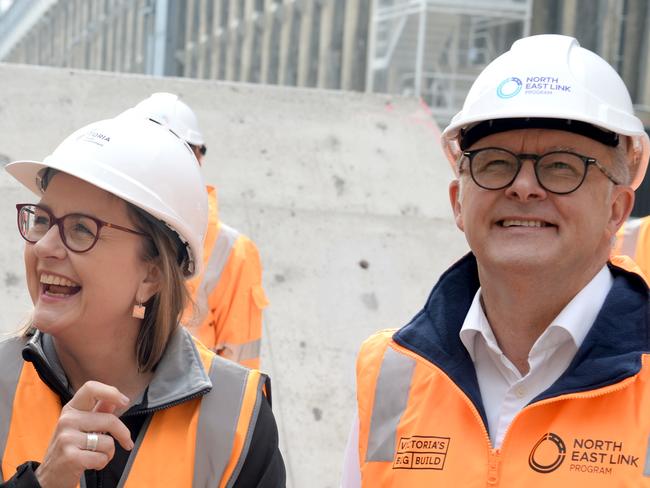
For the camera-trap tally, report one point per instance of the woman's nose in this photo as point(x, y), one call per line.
point(50, 245)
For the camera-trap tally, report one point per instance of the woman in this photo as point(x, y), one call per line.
point(104, 388)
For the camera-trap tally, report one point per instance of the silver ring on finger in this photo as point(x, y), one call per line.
point(92, 439)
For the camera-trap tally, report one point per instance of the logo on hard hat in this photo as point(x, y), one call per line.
point(509, 87)
point(94, 137)
point(547, 454)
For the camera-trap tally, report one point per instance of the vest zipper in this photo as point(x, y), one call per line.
point(494, 455)
point(171, 404)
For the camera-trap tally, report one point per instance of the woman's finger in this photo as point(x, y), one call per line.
point(93, 392)
point(97, 442)
point(92, 459)
point(103, 422)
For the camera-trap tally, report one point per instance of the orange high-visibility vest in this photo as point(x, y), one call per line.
point(418, 428)
point(209, 436)
point(633, 240)
point(228, 295)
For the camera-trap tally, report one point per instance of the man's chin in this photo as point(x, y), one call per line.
point(531, 259)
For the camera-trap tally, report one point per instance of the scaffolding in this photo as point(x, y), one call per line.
point(434, 49)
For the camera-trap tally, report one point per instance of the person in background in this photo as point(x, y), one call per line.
point(227, 295)
point(104, 388)
point(633, 240)
point(529, 364)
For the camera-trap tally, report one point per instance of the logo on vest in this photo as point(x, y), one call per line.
point(592, 456)
point(421, 452)
point(547, 454)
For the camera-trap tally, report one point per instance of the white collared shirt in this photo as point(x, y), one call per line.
point(504, 390)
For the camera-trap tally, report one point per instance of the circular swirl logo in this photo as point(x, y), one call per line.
point(548, 453)
point(509, 87)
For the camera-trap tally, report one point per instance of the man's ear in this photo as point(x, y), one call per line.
point(454, 199)
point(622, 204)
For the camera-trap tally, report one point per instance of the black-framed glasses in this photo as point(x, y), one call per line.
point(78, 232)
point(560, 172)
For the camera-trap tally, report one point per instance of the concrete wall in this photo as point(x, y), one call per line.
point(345, 195)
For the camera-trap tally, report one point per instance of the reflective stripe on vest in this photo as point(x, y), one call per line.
point(239, 352)
point(391, 397)
point(214, 268)
point(219, 422)
point(12, 362)
point(209, 436)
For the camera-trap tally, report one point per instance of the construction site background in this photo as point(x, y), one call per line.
point(430, 49)
point(345, 192)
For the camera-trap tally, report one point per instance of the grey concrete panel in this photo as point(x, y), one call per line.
point(345, 195)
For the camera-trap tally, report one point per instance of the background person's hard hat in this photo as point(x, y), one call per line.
point(550, 77)
point(169, 110)
point(139, 161)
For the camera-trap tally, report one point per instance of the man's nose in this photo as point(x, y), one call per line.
point(526, 186)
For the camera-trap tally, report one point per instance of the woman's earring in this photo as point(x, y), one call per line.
point(138, 310)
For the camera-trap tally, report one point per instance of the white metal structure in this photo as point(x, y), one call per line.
point(434, 49)
point(307, 43)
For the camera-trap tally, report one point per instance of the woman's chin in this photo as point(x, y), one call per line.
point(48, 323)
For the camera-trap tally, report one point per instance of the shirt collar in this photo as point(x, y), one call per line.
point(576, 318)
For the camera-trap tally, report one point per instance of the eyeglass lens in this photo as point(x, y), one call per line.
point(79, 232)
point(559, 172)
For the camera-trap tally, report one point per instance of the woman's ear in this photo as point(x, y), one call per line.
point(151, 282)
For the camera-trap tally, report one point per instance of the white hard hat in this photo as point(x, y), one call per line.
point(169, 110)
point(549, 81)
point(139, 161)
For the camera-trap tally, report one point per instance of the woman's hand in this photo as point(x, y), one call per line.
point(92, 410)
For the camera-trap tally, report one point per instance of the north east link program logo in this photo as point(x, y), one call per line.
point(532, 85)
point(548, 453)
point(509, 87)
point(421, 452)
point(586, 455)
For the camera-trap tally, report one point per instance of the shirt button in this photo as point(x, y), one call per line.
point(520, 391)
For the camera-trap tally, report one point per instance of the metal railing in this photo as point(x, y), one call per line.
point(434, 48)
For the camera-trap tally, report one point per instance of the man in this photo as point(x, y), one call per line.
point(228, 296)
point(525, 368)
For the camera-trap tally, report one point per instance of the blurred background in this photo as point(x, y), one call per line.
point(318, 142)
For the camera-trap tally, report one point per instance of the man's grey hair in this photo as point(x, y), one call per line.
point(623, 162)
